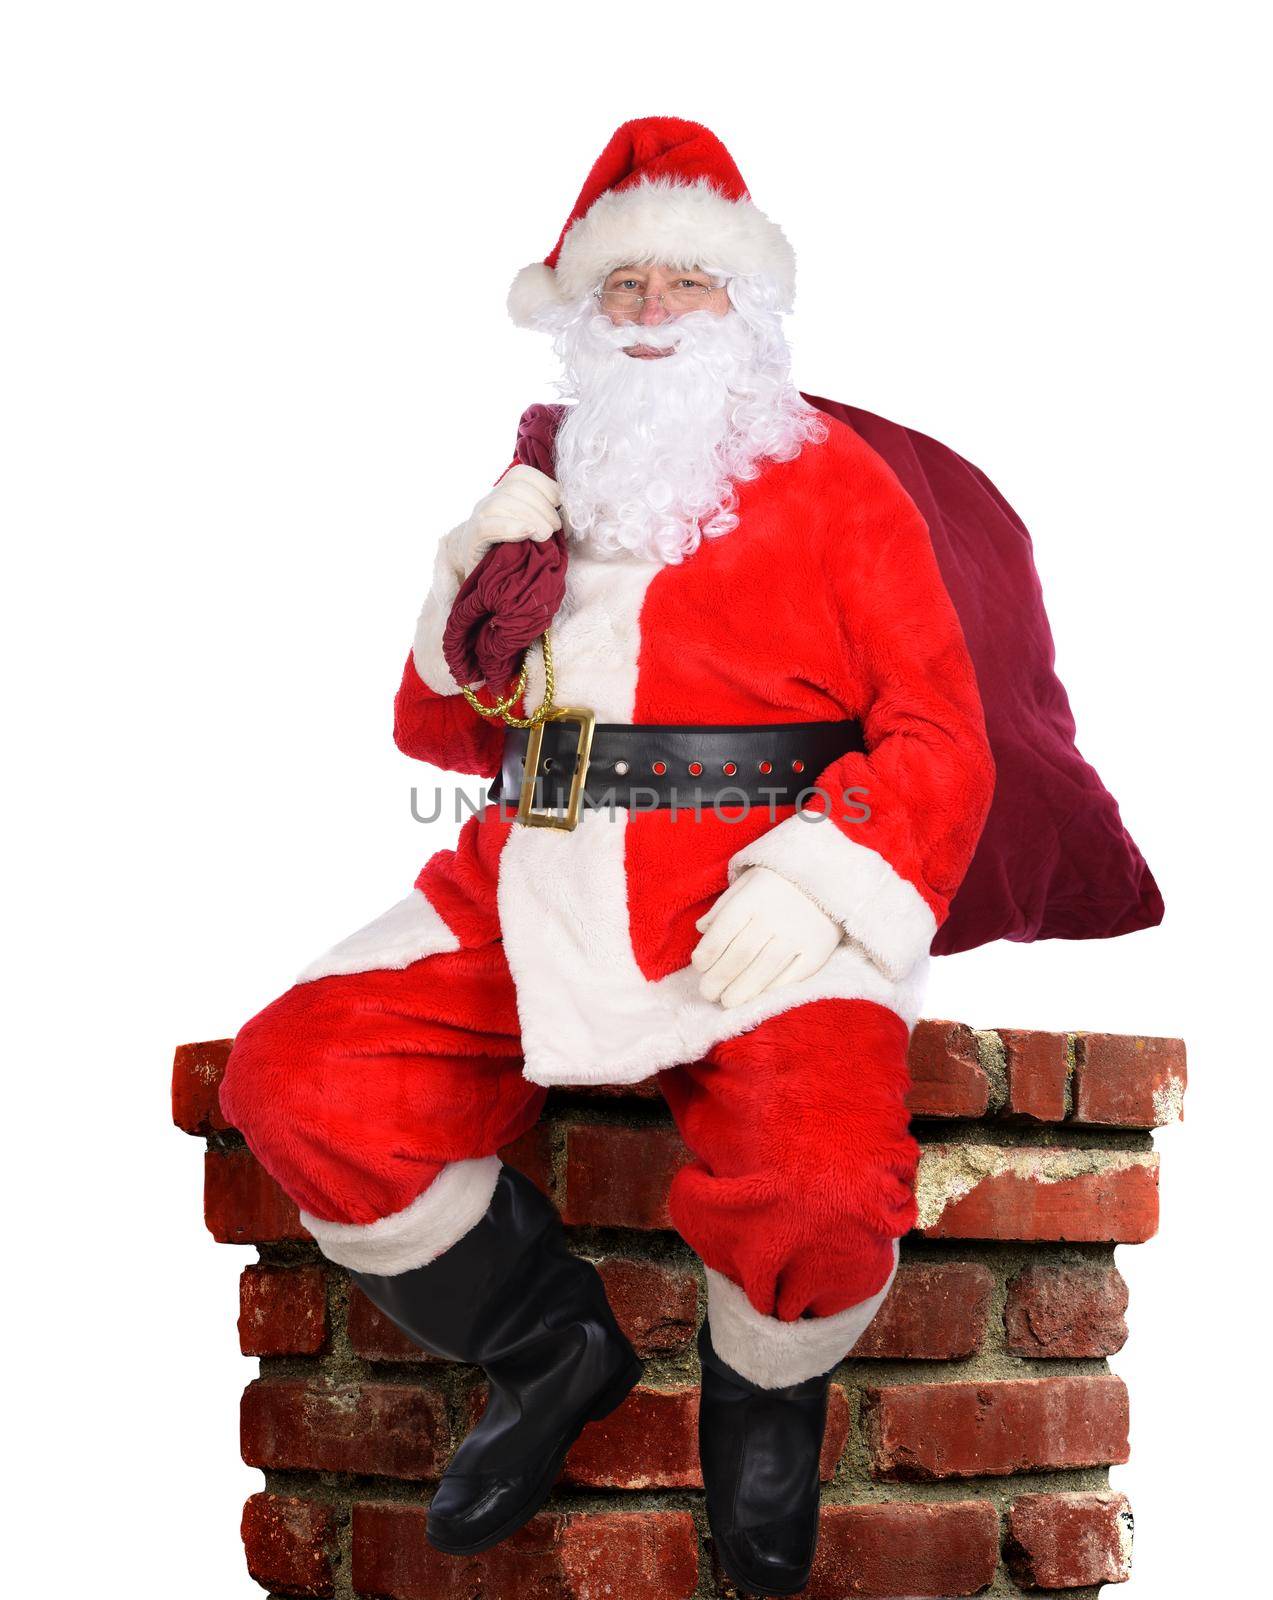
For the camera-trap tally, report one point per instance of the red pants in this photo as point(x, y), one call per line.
point(356, 1091)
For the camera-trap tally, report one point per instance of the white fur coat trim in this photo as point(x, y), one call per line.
point(588, 1013)
point(408, 930)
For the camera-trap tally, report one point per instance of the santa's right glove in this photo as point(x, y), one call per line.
point(522, 505)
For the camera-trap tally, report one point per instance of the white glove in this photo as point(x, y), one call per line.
point(760, 933)
point(522, 505)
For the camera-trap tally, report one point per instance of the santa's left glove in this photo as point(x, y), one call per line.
point(760, 933)
point(522, 505)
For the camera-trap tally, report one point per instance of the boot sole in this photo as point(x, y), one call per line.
point(609, 1400)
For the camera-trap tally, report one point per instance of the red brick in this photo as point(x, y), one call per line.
point(837, 1432)
point(905, 1549)
point(618, 1177)
point(532, 1155)
point(282, 1311)
point(1069, 1541)
point(636, 1555)
point(197, 1070)
point(242, 1204)
point(647, 1089)
point(394, 1430)
point(1026, 1193)
point(651, 1440)
point(1038, 1069)
point(375, 1338)
point(1066, 1310)
point(935, 1311)
point(924, 1431)
point(288, 1542)
point(1126, 1082)
point(947, 1079)
point(656, 1306)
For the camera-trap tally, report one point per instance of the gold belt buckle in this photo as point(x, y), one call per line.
point(534, 743)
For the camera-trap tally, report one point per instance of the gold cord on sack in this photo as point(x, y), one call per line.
point(501, 707)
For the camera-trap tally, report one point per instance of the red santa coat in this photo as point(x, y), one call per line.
point(824, 603)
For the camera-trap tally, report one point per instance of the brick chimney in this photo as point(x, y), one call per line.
point(970, 1432)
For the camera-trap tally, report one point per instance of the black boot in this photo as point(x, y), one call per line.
point(513, 1298)
point(759, 1449)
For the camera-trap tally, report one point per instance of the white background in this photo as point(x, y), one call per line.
point(255, 360)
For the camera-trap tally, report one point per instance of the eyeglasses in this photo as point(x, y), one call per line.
point(683, 298)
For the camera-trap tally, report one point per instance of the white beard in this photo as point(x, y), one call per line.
point(649, 454)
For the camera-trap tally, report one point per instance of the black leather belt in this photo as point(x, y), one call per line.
point(655, 766)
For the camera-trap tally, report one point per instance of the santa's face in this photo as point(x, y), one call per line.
point(650, 296)
point(681, 385)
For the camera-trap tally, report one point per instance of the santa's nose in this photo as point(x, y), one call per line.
point(652, 312)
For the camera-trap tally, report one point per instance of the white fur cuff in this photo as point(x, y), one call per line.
point(874, 904)
point(772, 1353)
point(430, 663)
point(454, 1202)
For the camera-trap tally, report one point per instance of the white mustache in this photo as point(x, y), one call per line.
point(663, 336)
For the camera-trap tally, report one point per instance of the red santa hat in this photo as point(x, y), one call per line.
point(662, 190)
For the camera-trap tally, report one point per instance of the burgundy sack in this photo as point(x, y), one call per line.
point(1054, 860)
point(513, 593)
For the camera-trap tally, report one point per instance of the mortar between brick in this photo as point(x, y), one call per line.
point(993, 1061)
point(947, 1172)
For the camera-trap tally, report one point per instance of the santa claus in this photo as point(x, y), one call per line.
point(767, 783)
